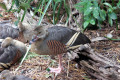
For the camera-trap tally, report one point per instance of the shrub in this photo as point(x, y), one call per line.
point(95, 13)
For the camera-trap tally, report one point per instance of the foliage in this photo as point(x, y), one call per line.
point(41, 7)
point(44, 12)
point(57, 5)
point(95, 14)
point(3, 5)
point(20, 4)
point(25, 5)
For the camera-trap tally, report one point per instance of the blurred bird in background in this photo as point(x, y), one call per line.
point(11, 50)
point(6, 75)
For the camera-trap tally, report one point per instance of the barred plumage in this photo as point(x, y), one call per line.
point(56, 47)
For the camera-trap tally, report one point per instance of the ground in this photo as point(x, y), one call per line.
point(35, 67)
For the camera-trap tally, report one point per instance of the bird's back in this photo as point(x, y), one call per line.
point(7, 30)
point(64, 34)
point(7, 54)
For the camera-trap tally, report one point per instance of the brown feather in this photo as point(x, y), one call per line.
point(56, 47)
point(17, 57)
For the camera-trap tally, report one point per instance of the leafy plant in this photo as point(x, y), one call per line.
point(25, 5)
point(42, 7)
point(57, 5)
point(46, 7)
point(20, 4)
point(3, 5)
point(110, 12)
point(94, 14)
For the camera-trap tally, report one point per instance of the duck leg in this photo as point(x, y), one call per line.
point(60, 68)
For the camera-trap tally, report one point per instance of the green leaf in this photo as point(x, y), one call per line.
point(16, 3)
point(118, 4)
point(107, 4)
point(95, 3)
point(13, 2)
point(110, 10)
point(48, 69)
point(25, 5)
point(87, 5)
point(114, 8)
point(103, 14)
point(88, 11)
point(85, 24)
point(1, 15)
point(87, 18)
point(58, 14)
point(3, 5)
point(23, 15)
point(81, 9)
point(67, 9)
point(83, 6)
point(92, 21)
point(110, 21)
point(99, 19)
point(80, 4)
point(113, 15)
point(40, 10)
point(56, 1)
point(95, 12)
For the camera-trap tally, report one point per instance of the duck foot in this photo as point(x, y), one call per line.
point(56, 70)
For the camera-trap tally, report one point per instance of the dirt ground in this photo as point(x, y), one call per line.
point(35, 67)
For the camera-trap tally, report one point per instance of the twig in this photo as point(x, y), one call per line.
point(68, 67)
point(98, 39)
point(23, 58)
point(112, 39)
